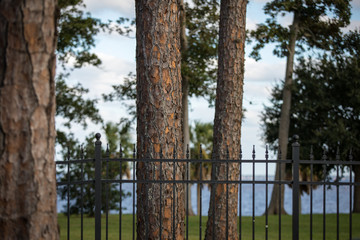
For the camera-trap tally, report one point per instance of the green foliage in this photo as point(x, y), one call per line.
point(115, 133)
point(319, 25)
point(126, 94)
point(77, 30)
point(325, 103)
point(198, 62)
point(201, 134)
point(72, 106)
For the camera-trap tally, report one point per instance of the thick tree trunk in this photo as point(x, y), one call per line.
point(159, 118)
point(228, 116)
point(357, 189)
point(285, 120)
point(27, 129)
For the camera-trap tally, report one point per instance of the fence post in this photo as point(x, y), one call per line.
point(98, 187)
point(295, 188)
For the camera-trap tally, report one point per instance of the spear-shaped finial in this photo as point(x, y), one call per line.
point(161, 152)
point(187, 151)
point(338, 153)
point(107, 151)
point(68, 153)
point(350, 155)
point(266, 153)
point(174, 152)
point(253, 152)
point(279, 153)
point(82, 151)
point(134, 151)
point(227, 152)
point(240, 154)
point(121, 151)
point(147, 155)
point(324, 157)
point(311, 153)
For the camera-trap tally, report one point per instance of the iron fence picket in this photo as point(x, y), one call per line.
point(295, 161)
point(296, 189)
point(120, 187)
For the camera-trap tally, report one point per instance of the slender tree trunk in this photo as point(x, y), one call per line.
point(159, 125)
point(285, 120)
point(228, 116)
point(185, 80)
point(357, 189)
point(27, 129)
point(191, 210)
point(185, 93)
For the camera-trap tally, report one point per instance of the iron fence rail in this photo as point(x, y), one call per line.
point(99, 181)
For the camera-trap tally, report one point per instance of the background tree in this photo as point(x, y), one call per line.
point(324, 110)
point(115, 134)
point(76, 31)
point(228, 115)
point(159, 126)
point(200, 135)
point(315, 24)
point(27, 124)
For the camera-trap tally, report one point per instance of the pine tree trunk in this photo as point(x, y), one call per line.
point(356, 189)
point(285, 120)
point(27, 129)
point(228, 116)
point(159, 117)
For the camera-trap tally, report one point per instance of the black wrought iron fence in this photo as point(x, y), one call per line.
point(101, 178)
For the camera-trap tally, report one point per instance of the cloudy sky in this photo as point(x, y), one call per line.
point(118, 56)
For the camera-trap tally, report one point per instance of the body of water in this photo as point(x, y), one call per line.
point(259, 196)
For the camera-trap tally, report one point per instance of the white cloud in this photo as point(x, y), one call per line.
point(126, 8)
point(354, 24)
point(100, 80)
point(250, 24)
point(355, 4)
point(200, 111)
point(261, 1)
point(264, 71)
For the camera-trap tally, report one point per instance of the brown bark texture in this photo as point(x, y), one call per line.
point(228, 116)
point(159, 126)
point(285, 120)
point(27, 129)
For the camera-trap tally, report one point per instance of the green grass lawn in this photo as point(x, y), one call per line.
point(286, 227)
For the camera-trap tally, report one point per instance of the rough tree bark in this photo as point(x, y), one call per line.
point(159, 117)
point(285, 120)
point(27, 129)
point(228, 116)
